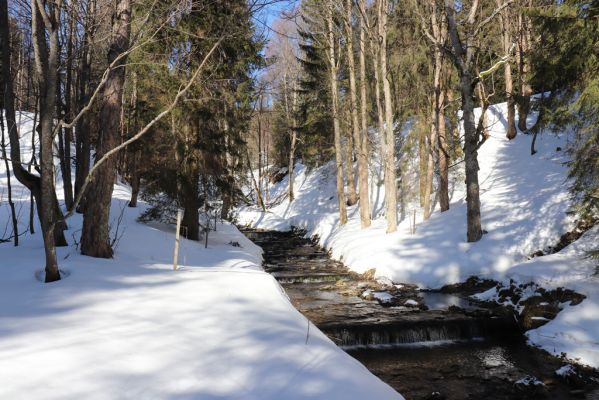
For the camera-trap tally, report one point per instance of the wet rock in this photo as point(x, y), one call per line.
point(531, 387)
point(471, 286)
point(571, 376)
point(537, 312)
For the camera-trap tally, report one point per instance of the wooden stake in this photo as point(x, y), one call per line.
point(177, 235)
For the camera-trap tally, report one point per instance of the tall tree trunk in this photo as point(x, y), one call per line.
point(443, 157)
point(365, 212)
point(439, 29)
point(13, 214)
point(46, 62)
point(352, 193)
point(83, 139)
point(32, 162)
point(506, 33)
point(524, 89)
point(474, 230)
point(379, 106)
point(68, 133)
point(431, 139)
point(335, 112)
point(356, 130)
point(391, 186)
point(95, 237)
point(464, 60)
point(292, 144)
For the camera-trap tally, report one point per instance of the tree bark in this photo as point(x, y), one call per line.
point(431, 139)
point(356, 131)
point(463, 57)
point(352, 194)
point(68, 133)
point(391, 186)
point(506, 41)
point(292, 145)
point(335, 113)
point(13, 214)
point(365, 216)
point(439, 28)
point(443, 157)
point(524, 89)
point(95, 237)
point(46, 64)
point(83, 141)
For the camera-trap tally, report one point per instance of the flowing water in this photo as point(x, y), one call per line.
point(427, 345)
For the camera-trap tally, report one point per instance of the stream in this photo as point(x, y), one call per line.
point(426, 345)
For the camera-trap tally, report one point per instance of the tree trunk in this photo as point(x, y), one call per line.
point(95, 237)
point(464, 60)
point(83, 140)
point(443, 157)
point(391, 186)
point(505, 22)
point(439, 29)
point(352, 194)
point(46, 61)
point(334, 107)
point(474, 230)
point(292, 146)
point(13, 214)
point(431, 139)
point(524, 89)
point(364, 148)
point(357, 132)
point(68, 133)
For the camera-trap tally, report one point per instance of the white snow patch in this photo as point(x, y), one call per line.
point(132, 328)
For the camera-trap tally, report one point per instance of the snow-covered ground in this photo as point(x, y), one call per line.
point(575, 330)
point(524, 202)
point(132, 328)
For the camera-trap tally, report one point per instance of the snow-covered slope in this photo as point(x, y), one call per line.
point(132, 328)
point(524, 202)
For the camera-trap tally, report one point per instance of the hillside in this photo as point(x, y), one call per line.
point(524, 201)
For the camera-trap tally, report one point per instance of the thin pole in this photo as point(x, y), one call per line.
point(177, 235)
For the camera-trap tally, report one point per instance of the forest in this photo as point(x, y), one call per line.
point(281, 199)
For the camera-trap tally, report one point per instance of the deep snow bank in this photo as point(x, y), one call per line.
point(524, 201)
point(132, 328)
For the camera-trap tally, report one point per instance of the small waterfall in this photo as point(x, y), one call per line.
point(426, 331)
point(308, 278)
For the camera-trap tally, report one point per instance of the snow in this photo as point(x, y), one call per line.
point(575, 331)
point(524, 201)
point(133, 328)
point(529, 381)
point(383, 297)
point(566, 370)
point(525, 204)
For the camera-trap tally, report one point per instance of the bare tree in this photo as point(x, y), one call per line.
point(333, 71)
point(360, 142)
point(389, 142)
point(45, 22)
point(505, 19)
point(463, 55)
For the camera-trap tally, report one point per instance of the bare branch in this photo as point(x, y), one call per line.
point(142, 132)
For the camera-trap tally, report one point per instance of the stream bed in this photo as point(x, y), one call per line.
point(426, 345)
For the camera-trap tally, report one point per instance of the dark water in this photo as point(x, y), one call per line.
point(426, 345)
point(471, 370)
